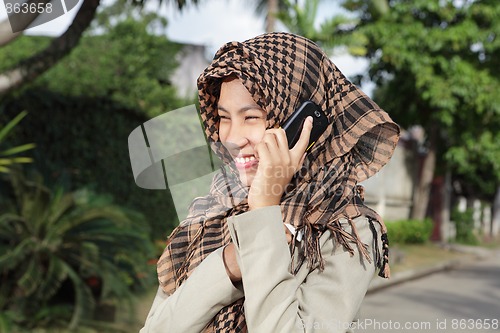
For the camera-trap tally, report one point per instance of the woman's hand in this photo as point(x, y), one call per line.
point(277, 165)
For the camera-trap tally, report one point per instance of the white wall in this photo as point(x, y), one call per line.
point(390, 191)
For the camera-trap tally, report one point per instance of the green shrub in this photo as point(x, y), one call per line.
point(63, 254)
point(82, 142)
point(409, 231)
point(464, 224)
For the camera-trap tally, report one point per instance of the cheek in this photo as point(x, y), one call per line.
point(257, 134)
point(222, 131)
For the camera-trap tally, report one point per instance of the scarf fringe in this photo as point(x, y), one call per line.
point(362, 247)
point(385, 270)
point(312, 251)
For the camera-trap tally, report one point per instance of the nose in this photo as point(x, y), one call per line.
point(236, 138)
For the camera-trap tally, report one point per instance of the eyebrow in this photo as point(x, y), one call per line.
point(243, 109)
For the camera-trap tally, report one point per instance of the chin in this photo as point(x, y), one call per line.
point(246, 180)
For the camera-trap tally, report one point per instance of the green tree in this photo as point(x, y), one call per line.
point(137, 80)
point(37, 62)
point(436, 64)
point(301, 17)
point(94, 98)
point(61, 253)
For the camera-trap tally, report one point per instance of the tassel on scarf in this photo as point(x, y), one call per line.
point(312, 250)
point(385, 270)
point(362, 247)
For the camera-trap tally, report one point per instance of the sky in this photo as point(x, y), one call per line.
point(212, 23)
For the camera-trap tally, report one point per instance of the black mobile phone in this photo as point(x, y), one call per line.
point(293, 125)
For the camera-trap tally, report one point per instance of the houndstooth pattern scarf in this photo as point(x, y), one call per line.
point(282, 70)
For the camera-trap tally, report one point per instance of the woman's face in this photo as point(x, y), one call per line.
point(241, 126)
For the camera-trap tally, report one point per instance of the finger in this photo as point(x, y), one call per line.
point(288, 235)
point(301, 162)
point(273, 144)
point(262, 152)
point(300, 147)
point(280, 137)
point(282, 144)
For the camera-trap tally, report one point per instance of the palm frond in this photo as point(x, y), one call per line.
point(84, 301)
point(17, 255)
point(52, 240)
point(4, 131)
point(11, 124)
point(29, 280)
point(18, 149)
point(54, 276)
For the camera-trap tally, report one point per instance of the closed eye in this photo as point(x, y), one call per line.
point(222, 117)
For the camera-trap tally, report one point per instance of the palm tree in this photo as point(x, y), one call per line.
point(59, 249)
point(300, 17)
point(270, 8)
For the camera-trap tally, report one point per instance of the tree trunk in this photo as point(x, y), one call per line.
point(422, 193)
point(272, 11)
point(445, 208)
point(6, 34)
point(34, 66)
point(495, 222)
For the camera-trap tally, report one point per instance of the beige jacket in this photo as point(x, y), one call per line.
point(275, 300)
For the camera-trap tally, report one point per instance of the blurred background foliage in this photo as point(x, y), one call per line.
point(10, 156)
point(409, 231)
point(77, 236)
point(64, 254)
point(435, 64)
point(76, 233)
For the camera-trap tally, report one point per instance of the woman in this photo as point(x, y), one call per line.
point(283, 241)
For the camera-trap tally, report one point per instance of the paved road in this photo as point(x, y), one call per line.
point(465, 299)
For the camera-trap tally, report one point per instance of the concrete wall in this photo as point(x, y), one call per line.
point(390, 191)
point(192, 62)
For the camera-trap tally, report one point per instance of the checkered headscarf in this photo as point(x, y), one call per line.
point(282, 70)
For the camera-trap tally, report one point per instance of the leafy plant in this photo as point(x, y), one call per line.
point(63, 253)
point(435, 64)
point(409, 231)
point(98, 156)
point(138, 80)
point(464, 224)
point(7, 155)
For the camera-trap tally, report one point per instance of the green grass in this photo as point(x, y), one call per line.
point(491, 244)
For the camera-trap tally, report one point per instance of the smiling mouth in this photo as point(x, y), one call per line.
point(245, 162)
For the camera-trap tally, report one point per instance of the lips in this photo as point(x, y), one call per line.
point(245, 162)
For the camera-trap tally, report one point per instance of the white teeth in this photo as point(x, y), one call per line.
point(242, 160)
